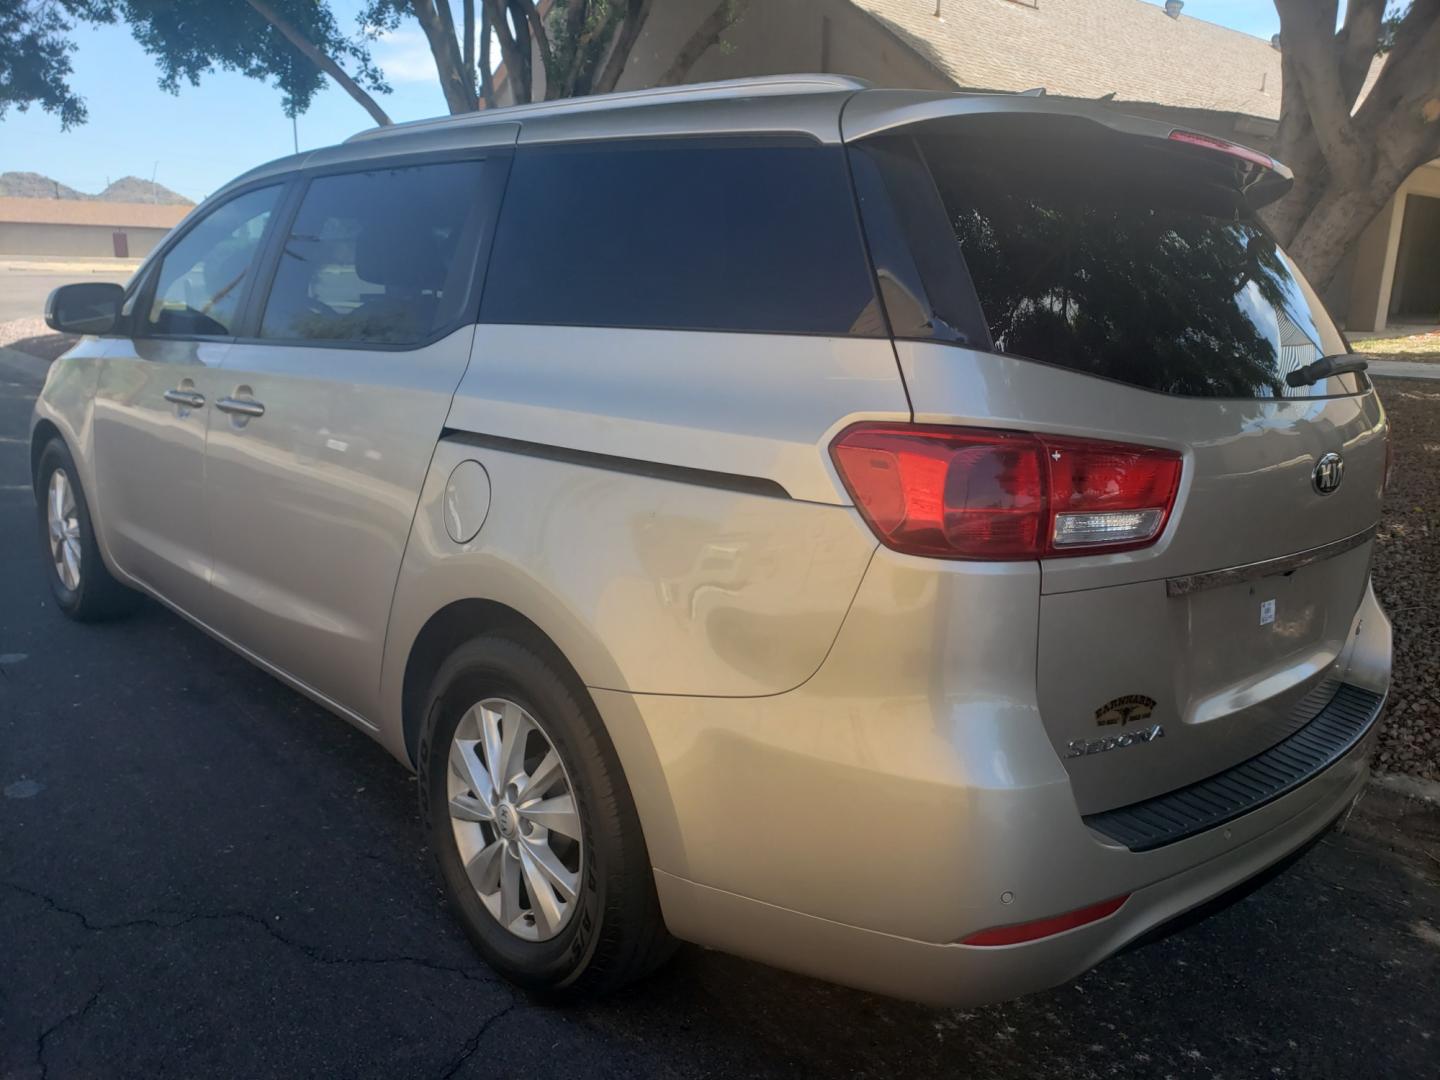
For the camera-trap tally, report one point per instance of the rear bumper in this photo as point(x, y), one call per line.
point(964, 975)
point(861, 826)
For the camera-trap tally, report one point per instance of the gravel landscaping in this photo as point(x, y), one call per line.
point(1407, 578)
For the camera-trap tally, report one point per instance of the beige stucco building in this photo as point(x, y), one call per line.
point(1129, 51)
point(90, 227)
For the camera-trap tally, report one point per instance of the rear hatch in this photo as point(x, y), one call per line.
point(1109, 279)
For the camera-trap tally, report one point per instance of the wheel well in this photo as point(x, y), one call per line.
point(446, 630)
point(39, 439)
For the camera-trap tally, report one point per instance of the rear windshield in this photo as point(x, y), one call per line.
point(1121, 258)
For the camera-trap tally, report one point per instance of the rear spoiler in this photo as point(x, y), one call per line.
point(869, 113)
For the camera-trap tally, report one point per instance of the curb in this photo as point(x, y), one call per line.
point(1428, 790)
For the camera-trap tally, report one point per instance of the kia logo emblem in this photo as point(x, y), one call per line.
point(1329, 471)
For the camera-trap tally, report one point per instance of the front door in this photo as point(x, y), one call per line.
point(153, 401)
point(329, 417)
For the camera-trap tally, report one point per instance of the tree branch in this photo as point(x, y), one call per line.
point(636, 12)
point(307, 48)
point(487, 79)
point(1409, 83)
point(467, 46)
point(439, 26)
point(707, 34)
point(1308, 42)
point(1358, 41)
point(520, 18)
point(542, 39)
point(516, 67)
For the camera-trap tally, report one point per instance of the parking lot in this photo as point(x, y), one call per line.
point(201, 873)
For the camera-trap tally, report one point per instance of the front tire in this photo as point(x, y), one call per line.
point(82, 585)
point(532, 823)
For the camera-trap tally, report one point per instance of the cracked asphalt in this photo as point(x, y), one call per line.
point(202, 874)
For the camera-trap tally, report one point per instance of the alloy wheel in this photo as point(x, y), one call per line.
point(514, 816)
point(63, 525)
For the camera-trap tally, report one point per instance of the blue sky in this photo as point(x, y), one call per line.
point(194, 141)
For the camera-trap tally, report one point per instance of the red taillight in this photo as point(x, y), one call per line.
point(1031, 931)
point(971, 493)
point(1224, 146)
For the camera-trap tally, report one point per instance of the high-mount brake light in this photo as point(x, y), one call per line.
point(974, 493)
point(1224, 146)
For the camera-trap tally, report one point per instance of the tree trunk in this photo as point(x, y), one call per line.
point(1331, 229)
point(487, 79)
point(467, 47)
point(635, 15)
point(439, 27)
point(307, 48)
point(495, 10)
point(707, 34)
point(1349, 161)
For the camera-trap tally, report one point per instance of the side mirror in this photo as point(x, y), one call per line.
point(91, 307)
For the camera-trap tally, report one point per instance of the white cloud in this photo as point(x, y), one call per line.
point(404, 56)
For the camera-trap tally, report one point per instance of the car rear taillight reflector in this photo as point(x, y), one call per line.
point(1224, 146)
point(973, 493)
point(1040, 928)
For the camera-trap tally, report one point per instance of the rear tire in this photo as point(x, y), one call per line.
point(610, 931)
point(81, 583)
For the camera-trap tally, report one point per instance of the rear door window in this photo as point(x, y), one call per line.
point(383, 256)
point(1120, 258)
point(751, 235)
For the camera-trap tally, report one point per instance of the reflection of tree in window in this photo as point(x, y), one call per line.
point(1146, 295)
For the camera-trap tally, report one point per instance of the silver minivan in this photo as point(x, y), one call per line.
point(921, 540)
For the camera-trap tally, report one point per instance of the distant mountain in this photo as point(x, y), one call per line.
point(31, 185)
point(129, 189)
point(133, 189)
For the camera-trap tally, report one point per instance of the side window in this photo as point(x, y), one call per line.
point(679, 235)
point(202, 279)
point(381, 256)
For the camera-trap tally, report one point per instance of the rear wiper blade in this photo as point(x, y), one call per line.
point(1323, 368)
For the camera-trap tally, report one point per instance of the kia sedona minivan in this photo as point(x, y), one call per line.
point(919, 540)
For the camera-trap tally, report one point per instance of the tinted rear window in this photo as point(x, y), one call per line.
point(682, 235)
point(1110, 257)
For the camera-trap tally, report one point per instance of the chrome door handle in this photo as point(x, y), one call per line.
point(240, 407)
point(190, 399)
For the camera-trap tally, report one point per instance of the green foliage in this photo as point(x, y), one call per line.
point(190, 38)
point(577, 43)
point(187, 38)
point(35, 57)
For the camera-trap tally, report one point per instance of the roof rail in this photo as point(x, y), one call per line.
point(761, 86)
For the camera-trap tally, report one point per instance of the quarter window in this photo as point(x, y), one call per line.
point(383, 256)
point(202, 279)
point(681, 235)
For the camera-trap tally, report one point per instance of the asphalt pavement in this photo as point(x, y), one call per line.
point(203, 874)
point(23, 291)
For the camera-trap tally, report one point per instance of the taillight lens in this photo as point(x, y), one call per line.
point(972, 493)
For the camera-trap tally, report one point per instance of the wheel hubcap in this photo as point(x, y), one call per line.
point(513, 813)
point(63, 523)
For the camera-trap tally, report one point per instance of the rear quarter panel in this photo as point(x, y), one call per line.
point(646, 583)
